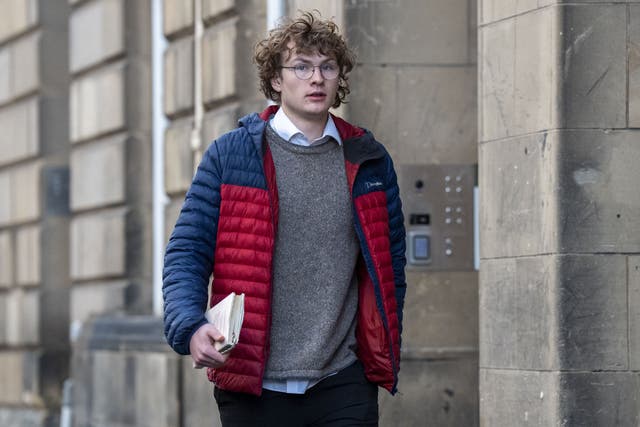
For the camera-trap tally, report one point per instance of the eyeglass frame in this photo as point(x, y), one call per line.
point(313, 70)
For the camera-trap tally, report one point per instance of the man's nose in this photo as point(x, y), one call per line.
point(317, 76)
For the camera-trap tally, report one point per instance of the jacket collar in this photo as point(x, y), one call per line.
point(359, 144)
point(284, 127)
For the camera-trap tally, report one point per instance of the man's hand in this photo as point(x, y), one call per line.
point(202, 350)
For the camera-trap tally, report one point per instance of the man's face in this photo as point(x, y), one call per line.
point(310, 99)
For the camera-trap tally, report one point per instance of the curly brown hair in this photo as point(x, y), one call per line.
point(309, 34)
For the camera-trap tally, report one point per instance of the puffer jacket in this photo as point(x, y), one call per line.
point(227, 226)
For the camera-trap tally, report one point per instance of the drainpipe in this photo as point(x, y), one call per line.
point(160, 198)
point(66, 410)
point(276, 9)
point(198, 109)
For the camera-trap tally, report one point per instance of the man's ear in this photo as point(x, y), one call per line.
point(275, 83)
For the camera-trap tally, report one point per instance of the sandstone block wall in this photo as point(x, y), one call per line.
point(557, 155)
point(33, 97)
point(110, 163)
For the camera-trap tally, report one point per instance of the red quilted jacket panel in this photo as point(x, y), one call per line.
point(379, 351)
point(243, 265)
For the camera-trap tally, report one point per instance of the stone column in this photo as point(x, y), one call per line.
point(54, 199)
point(559, 281)
point(110, 121)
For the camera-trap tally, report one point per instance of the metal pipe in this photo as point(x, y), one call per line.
point(66, 410)
point(276, 9)
point(198, 109)
point(159, 123)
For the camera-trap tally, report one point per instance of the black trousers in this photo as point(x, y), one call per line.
point(343, 399)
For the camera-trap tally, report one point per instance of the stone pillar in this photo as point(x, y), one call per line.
point(34, 273)
point(54, 199)
point(559, 281)
point(110, 121)
point(415, 87)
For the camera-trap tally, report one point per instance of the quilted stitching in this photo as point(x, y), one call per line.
point(373, 216)
point(228, 216)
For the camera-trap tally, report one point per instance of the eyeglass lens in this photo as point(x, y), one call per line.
point(328, 71)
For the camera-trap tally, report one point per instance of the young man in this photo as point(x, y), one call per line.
point(299, 210)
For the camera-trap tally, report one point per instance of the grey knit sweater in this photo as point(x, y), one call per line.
point(315, 295)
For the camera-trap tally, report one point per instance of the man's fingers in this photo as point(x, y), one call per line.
point(202, 347)
point(214, 333)
point(209, 358)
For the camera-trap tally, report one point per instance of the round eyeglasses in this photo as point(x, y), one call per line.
point(328, 71)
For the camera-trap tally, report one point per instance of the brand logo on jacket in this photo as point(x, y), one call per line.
point(373, 184)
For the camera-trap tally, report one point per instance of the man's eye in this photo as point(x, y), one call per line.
point(301, 67)
point(329, 67)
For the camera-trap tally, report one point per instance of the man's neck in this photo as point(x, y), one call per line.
point(311, 128)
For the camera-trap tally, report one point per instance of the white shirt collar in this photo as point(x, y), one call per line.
point(285, 128)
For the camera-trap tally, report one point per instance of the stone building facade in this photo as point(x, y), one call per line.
point(560, 212)
point(545, 333)
point(34, 210)
point(76, 215)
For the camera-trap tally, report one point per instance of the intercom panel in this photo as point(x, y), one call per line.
point(438, 206)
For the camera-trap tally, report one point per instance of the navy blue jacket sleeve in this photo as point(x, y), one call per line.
point(397, 236)
point(188, 260)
